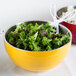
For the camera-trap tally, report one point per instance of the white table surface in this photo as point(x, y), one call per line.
point(15, 11)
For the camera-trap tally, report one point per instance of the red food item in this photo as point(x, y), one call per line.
point(72, 28)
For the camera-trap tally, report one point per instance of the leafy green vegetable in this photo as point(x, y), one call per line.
point(46, 41)
point(48, 47)
point(35, 37)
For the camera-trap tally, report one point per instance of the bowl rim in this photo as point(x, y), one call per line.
point(37, 51)
point(59, 17)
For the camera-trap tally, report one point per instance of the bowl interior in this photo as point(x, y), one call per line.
point(62, 29)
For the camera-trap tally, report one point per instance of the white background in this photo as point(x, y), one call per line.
point(15, 11)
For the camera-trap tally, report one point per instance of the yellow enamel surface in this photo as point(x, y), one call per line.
point(37, 61)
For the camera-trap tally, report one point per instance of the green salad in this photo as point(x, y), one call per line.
point(35, 37)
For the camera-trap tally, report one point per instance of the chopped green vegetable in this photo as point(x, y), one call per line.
point(35, 37)
point(46, 41)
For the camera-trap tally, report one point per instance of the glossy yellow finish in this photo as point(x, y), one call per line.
point(37, 61)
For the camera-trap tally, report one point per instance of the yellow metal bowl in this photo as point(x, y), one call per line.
point(37, 61)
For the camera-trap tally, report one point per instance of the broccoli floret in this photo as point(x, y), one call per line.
point(22, 35)
point(33, 29)
point(34, 37)
point(56, 42)
point(65, 38)
point(36, 47)
point(11, 40)
point(18, 28)
point(48, 47)
point(39, 27)
point(46, 41)
point(25, 43)
point(22, 25)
